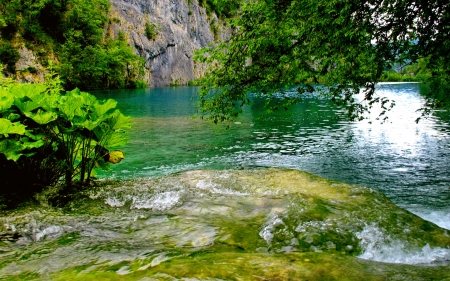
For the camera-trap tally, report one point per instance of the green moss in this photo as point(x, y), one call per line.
point(292, 266)
point(241, 235)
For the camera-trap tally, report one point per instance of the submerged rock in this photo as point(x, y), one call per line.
point(268, 224)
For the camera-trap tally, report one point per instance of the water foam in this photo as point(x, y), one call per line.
point(377, 246)
point(267, 232)
point(215, 188)
point(160, 201)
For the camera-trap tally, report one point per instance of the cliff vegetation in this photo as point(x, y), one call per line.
point(72, 34)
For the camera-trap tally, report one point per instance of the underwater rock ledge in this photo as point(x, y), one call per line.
point(264, 224)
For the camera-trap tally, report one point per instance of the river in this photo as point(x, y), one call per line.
point(407, 162)
point(291, 196)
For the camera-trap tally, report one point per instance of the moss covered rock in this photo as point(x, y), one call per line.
point(268, 224)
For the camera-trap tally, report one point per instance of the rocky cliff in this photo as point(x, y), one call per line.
point(180, 27)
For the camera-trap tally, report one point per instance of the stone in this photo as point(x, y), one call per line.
point(182, 29)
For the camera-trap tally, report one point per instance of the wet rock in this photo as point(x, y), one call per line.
point(268, 224)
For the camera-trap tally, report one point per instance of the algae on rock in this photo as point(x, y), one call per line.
point(271, 224)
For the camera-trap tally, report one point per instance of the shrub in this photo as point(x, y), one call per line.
point(47, 136)
point(151, 31)
point(8, 55)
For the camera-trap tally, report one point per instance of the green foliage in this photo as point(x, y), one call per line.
point(8, 55)
point(151, 31)
point(111, 64)
point(73, 31)
point(222, 8)
point(341, 44)
point(46, 135)
point(414, 72)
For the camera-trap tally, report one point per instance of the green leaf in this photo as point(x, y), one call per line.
point(118, 121)
point(8, 127)
point(42, 117)
point(27, 90)
point(71, 105)
point(101, 163)
point(32, 144)
point(88, 124)
point(6, 100)
point(88, 98)
point(26, 107)
point(116, 139)
point(11, 149)
point(13, 116)
point(101, 108)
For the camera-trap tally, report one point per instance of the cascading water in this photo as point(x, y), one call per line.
point(223, 225)
point(379, 246)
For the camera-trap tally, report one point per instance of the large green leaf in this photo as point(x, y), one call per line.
point(100, 108)
point(11, 149)
point(6, 100)
point(71, 106)
point(27, 90)
point(8, 127)
point(42, 117)
point(89, 124)
point(118, 121)
point(29, 144)
point(48, 101)
point(88, 98)
point(27, 106)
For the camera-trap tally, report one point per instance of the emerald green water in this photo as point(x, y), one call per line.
point(406, 161)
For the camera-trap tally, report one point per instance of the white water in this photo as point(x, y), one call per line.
point(377, 246)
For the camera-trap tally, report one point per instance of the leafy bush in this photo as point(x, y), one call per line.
point(8, 55)
point(222, 8)
point(111, 65)
point(47, 136)
point(151, 30)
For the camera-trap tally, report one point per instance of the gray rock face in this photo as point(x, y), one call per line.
point(181, 29)
point(27, 61)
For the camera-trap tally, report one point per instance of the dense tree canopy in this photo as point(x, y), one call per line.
point(345, 45)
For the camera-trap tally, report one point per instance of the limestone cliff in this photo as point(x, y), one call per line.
point(182, 27)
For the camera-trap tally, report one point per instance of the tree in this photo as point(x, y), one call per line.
point(345, 45)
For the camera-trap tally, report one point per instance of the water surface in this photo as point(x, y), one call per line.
point(406, 161)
